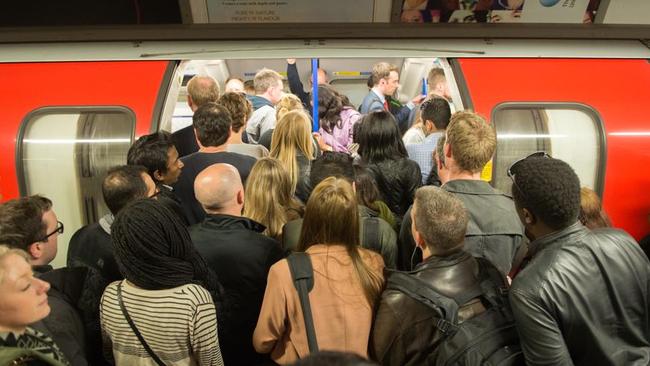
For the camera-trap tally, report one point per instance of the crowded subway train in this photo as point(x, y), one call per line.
point(73, 112)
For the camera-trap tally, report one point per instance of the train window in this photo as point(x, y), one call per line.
point(555, 128)
point(64, 154)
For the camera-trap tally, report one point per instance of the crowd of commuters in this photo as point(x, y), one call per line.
point(408, 249)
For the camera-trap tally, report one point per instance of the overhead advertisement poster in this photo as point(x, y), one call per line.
point(499, 11)
point(290, 11)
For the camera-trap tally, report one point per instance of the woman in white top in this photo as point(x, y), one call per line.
point(163, 312)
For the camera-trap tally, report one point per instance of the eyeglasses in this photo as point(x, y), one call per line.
point(511, 174)
point(59, 229)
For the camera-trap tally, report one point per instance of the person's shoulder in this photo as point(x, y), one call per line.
point(195, 293)
point(373, 259)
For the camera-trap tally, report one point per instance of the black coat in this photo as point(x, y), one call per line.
point(241, 257)
point(397, 181)
point(91, 246)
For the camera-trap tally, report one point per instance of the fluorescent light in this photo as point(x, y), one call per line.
point(75, 141)
point(647, 133)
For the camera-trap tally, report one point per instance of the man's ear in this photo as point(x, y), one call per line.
point(190, 102)
point(158, 176)
point(196, 137)
point(35, 250)
point(419, 241)
point(447, 150)
point(240, 197)
point(529, 217)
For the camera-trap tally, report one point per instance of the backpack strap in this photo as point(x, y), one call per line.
point(135, 329)
point(302, 274)
point(371, 233)
point(493, 283)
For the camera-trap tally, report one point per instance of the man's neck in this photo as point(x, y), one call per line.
point(214, 149)
point(377, 91)
point(232, 211)
point(15, 330)
point(235, 137)
point(458, 175)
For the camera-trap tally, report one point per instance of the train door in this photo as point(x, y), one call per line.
point(72, 121)
point(588, 112)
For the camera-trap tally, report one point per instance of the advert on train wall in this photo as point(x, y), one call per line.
point(290, 11)
point(499, 11)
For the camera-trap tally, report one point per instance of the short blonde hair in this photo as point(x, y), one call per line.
point(287, 103)
point(472, 141)
point(292, 134)
point(203, 89)
point(382, 70)
point(6, 251)
point(264, 79)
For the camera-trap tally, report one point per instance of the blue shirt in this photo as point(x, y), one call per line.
point(423, 153)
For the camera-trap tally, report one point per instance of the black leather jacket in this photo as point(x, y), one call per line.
point(397, 181)
point(584, 299)
point(404, 330)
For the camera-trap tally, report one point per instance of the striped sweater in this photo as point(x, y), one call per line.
point(179, 324)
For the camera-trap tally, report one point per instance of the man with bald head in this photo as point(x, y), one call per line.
point(201, 89)
point(235, 248)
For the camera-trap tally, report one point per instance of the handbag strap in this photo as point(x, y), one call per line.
point(302, 274)
point(135, 330)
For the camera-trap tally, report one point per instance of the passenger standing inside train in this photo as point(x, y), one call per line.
point(234, 85)
point(438, 87)
point(295, 85)
point(592, 214)
point(235, 248)
point(91, 246)
point(165, 307)
point(201, 89)
point(287, 103)
point(23, 302)
point(268, 91)
point(336, 119)
point(30, 224)
point(383, 152)
point(292, 145)
point(157, 153)
point(494, 232)
point(374, 232)
point(422, 138)
point(240, 110)
point(582, 297)
point(212, 123)
point(347, 283)
point(405, 331)
point(269, 197)
point(385, 82)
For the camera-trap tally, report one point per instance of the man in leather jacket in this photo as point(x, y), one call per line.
point(582, 297)
point(405, 331)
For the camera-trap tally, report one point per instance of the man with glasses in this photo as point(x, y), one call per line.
point(580, 297)
point(385, 82)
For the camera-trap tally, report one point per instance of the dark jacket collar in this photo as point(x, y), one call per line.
point(42, 268)
point(449, 275)
point(471, 186)
point(258, 101)
point(229, 222)
point(539, 244)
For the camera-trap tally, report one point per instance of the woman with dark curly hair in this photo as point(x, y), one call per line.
point(337, 118)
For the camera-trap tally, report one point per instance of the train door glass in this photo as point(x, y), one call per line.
point(64, 154)
point(571, 132)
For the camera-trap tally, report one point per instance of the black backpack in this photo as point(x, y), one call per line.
point(489, 338)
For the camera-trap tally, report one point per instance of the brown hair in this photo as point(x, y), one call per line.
point(472, 141)
point(264, 79)
point(436, 76)
point(332, 217)
point(592, 214)
point(239, 107)
point(203, 89)
point(381, 70)
point(268, 197)
point(440, 218)
point(21, 221)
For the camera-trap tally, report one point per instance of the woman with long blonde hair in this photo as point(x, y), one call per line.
point(347, 282)
point(269, 200)
point(292, 145)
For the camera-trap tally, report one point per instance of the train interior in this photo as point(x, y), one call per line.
point(85, 144)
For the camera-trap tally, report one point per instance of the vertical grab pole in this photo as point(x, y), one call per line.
point(314, 93)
